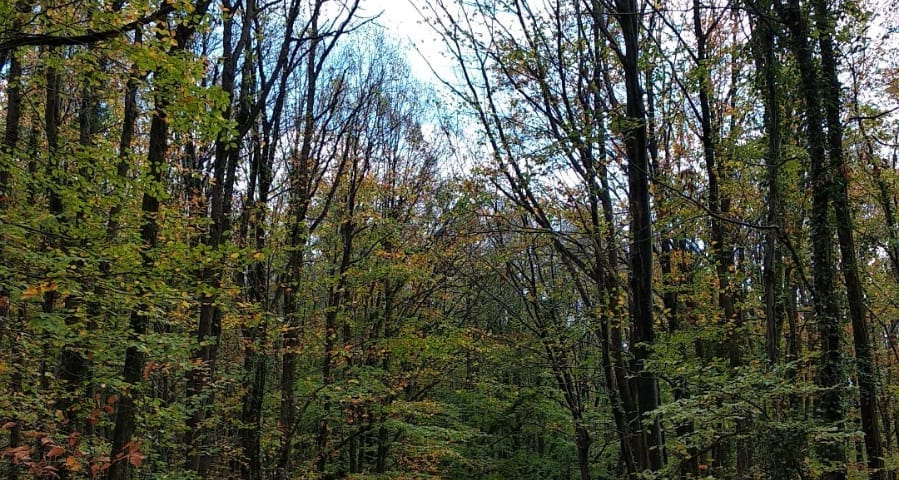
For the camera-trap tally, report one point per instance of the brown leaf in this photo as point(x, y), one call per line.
point(147, 369)
point(72, 464)
point(72, 439)
point(135, 459)
point(55, 451)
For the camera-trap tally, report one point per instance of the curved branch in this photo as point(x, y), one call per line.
point(29, 39)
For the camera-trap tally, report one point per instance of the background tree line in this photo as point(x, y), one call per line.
point(628, 240)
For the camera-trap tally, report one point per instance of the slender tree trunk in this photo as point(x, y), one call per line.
point(337, 295)
point(652, 453)
point(866, 376)
point(71, 364)
point(11, 132)
point(300, 200)
point(209, 327)
point(830, 374)
point(124, 430)
point(8, 148)
point(122, 442)
point(254, 333)
point(773, 271)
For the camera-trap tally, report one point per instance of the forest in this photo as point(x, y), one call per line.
point(613, 239)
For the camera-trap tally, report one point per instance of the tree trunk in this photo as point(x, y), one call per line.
point(209, 327)
point(830, 375)
point(299, 205)
point(8, 148)
point(651, 454)
point(124, 429)
point(773, 271)
point(839, 173)
point(122, 442)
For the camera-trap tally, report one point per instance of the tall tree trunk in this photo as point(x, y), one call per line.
point(772, 268)
point(124, 430)
point(839, 176)
point(209, 327)
point(830, 375)
point(300, 192)
point(8, 149)
point(71, 364)
point(254, 226)
point(122, 442)
point(652, 452)
point(335, 324)
point(11, 132)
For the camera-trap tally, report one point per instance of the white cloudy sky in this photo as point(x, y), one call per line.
point(407, 26)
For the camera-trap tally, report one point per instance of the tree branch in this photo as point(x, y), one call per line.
point(27, 39)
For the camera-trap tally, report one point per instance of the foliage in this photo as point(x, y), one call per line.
point(242, 239)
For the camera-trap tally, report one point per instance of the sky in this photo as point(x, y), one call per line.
point(405, 24)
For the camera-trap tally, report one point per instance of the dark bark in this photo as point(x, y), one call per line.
point(300, 191)
point(651, 455)
point(21, 39)
point(773, 271)
point(122, 442)
point(124, 430)
point(71, 366)
point(335, 326)
point(8, 149)
point(830, 375)
point(126, 138)
point(11, 131)
point(209, 326)
point(582, 443)
point(839, 176)
point(254, 330)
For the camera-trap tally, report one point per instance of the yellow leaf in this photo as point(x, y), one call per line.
point(72, 464)
point(31, 291)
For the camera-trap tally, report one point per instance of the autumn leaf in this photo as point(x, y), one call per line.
point(18, 454)
point(31, 291)
point(148, 368)
point(136, 458)
point(72, 464)
point(55, 451)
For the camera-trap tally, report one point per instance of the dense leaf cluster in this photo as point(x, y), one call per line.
point(241, 239)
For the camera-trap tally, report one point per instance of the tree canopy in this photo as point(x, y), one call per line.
point(620, 239)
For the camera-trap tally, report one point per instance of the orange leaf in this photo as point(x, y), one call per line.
point(31, 291)
point(56, 451)
point(135, 459)
point(72, 464)
point(147, 369)
point(8, 425)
